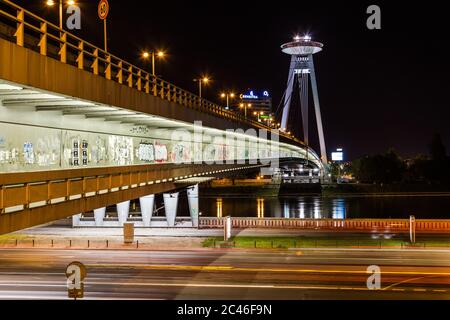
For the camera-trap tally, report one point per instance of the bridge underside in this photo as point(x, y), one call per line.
point(41, 197)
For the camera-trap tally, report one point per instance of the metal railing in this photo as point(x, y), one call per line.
point(372, 225)
point(37, 34)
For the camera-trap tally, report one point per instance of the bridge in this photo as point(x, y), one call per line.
point(82, 129)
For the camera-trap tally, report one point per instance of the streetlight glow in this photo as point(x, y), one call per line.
point(71, 2)
point(153, 54)
point(228, 96)
point(203, 80)
point(50, 3)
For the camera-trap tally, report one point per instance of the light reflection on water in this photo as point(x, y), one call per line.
point(317, 207)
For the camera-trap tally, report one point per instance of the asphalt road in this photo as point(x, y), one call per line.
point(225, 274)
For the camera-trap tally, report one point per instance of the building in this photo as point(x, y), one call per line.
point(257, 104)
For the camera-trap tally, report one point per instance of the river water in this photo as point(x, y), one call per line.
point(318, 207)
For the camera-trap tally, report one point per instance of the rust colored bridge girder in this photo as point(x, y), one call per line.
point(43, 197)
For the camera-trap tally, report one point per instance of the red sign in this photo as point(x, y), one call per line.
point(103, 9)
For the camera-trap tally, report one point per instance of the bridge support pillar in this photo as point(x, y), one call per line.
point(192, 193)
point(147, 206)
point(123, 211)
point(99, 216)
point(171, 204)
point(76, 220)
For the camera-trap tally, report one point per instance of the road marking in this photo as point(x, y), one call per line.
point(209, 285)
point(93, 284)
point(242, 269)
point(402, 282)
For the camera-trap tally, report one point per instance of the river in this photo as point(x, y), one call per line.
point(336, 207)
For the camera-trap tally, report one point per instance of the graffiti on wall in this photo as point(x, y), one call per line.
point(161, 154)
point(146, 152)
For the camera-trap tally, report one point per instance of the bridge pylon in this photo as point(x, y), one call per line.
point(301, 73)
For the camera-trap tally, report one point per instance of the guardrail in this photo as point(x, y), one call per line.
point(20, 191)
point(37, 34)
point(381, 225)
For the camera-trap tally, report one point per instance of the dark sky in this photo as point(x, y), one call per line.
point(378, 89)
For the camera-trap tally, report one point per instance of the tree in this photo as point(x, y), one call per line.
point(380, 168)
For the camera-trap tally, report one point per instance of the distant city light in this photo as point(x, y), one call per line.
point(338, 155)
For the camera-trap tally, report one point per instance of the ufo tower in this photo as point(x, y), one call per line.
point(301, 71)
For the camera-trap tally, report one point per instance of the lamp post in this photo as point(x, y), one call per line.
point(228, 96)
point(51, 3)
point(245, 106)
point(201, 82)
point(153, 54)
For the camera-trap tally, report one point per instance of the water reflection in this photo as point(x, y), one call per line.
point(338, 206)
point(317, 207)
point(219, 206)
point(260, 206)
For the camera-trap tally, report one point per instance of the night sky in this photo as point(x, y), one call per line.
point(378, 89)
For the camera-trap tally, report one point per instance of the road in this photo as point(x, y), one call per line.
point(227, 274)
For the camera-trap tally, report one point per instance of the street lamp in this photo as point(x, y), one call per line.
point(202, 81)
point(51, 3)
point(228, 96)
point(245, 106)
point(153, 54)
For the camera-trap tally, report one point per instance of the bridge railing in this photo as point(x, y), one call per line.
point(374, 225)
point(20, 191)
point(37, 34)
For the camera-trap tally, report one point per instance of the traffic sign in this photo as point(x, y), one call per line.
point(103, 9)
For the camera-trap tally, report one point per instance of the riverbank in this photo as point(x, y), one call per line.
point(267, 188)
point(375, 241)
point(112, 241)
point(380, 189)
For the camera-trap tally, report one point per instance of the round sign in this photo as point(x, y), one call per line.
point(103, 9)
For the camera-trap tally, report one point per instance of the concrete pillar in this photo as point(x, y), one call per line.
point(193, 194)
point(171, 204)
point(147, 206)
point(76, 220)
point(123, 211)
point(99, 215)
